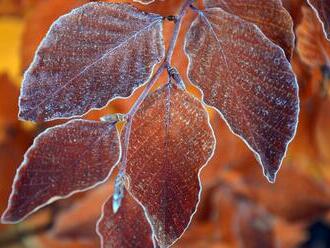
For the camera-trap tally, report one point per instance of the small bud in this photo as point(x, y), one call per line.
point(114, 118)
point(119, 192)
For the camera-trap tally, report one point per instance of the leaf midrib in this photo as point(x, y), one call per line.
point(108, 52)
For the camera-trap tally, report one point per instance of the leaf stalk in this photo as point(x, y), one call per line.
point(129, 116)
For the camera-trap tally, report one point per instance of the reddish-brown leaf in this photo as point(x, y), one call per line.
point(37, 22)
point(79, 221)
point(322, 130)
point(171, 140)
point(313, 48)
point(239, 221)
point(254, 226)
point(63, 160)
point(144, 1)
point(248, 79)
point(128, 228)
point(110, 50)
point(284, 198)
point(269, 15)
point(322, 10)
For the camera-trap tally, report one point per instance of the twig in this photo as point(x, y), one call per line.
point(164, 65)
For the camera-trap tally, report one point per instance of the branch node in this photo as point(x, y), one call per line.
point(172, 18)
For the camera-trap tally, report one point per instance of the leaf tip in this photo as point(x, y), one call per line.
point(7, 218)
point(270, 175)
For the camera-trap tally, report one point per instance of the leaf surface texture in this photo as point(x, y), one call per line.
point(64, 159)
point(128, 228)
point(248, 79)
point(96, 53)
point(269, 15)
point(171, 140)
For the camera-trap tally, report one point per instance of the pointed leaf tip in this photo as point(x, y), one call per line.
point(128, 228)
point(248, 79)
point(63, 160)
point(171, 140)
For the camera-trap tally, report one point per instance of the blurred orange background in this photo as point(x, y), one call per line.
point(239, 208)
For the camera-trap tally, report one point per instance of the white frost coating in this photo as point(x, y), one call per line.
point(270, 16)
point(318, 17)
point(144, 1)
point(199, 182)
point(55, 198)
point(63, 105)
point(102, 216)
point(270, 178)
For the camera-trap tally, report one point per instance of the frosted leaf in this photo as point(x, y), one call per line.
point(312, 46)
point(128, 228)
point(92, 55)
point(62, 160)
point(248, 79)
point(144, 1)
point(269, 15)
point(171, 140)
point(322, 10)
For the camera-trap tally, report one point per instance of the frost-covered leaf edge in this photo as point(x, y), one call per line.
point(144, 3)
point(134, 89)
point(222, 116)
point(98, 232)
point(24, 163)
point(198, 175)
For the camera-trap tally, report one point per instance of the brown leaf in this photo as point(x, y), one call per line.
point(322, 130)
point(144, 1)
point(254, 227)
point(285, 198)
point(269, 15)
point(322, 10)
point(12, 149)
point(249, 81)
point(312, 46)
point(79, 222)
point(239, 221)
point(63, 160)
point(68, 76)
point(128, 228)
point(288, 234)
point(171, 140)
point(37, 23)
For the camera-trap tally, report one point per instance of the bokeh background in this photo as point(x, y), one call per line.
point(239, 208)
